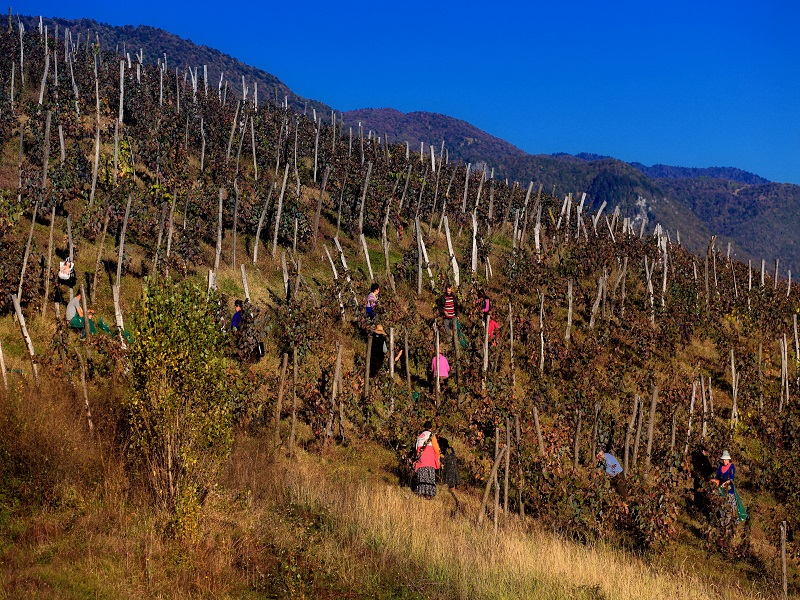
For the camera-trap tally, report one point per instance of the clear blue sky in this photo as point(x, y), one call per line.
point(692, 83)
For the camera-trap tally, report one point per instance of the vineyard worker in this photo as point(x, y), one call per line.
point(76, 320)
point(379, 350)
point(236, 321)
point(444, 366)
point(726, 473)
point(448, 306)
point(426, 463)
point(372, 301)
point(613, 469)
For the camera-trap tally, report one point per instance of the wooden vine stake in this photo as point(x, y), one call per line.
point(3, 367)
point(27, 250)
point(85, 390)
point(279, 211)
point(279, 402)
point(294, 402)
point(492, 477)
point(26, 337)
point(784, 578)
point(650, 424)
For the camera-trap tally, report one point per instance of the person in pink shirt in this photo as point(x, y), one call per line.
point(444, 366)
point(425, 466)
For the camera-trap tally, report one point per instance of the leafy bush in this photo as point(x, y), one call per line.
point(180, 407)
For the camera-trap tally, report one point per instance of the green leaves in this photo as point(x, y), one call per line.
point(179, 407)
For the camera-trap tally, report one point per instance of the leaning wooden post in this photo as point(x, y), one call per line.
point(3, 367)
point(629, 434)
point(218, 249)
point(319, 201)
point(87, 328)
point(691, 412)
point(568, 333)
point(366, 256)
point(27, 251)
point(99, 252)
point(364, 199)
point(367, 365)
point(294, 402)
point(491, 478)
point(47, 273)
point(784, 579)
point(279, 403)
point(538, 427)
point(85, 390)
point(576, 450)
point(640, 418)
point(26, 337)
point(122, 239)
point(507, 465)
point(407, 363)
point(520, 476)
point(279, 211)
point(650, 424)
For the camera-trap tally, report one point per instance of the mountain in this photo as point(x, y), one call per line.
point(183, 55)
point(463, 140)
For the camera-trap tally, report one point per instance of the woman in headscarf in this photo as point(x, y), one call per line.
point(724, 479)
point(427, 462)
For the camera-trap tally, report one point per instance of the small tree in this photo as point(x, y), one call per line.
point(179, 406)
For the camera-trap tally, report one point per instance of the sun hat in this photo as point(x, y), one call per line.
point(379, 330)
point(726, 455)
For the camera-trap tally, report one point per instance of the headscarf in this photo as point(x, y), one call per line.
point(422, 439)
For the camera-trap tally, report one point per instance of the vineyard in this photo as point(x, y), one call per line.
point(174, 195)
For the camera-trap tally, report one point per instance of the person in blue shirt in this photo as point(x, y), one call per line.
point(726, 473)
point(236, 321)
point(612, 467)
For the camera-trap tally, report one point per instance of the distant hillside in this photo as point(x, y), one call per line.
point(464, 141)
point(183, 54)
point(725, 173)
point(756, 216)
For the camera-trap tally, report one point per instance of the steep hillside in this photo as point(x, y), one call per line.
point(183, 55)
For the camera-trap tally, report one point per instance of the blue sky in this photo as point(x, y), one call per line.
point(698, 84)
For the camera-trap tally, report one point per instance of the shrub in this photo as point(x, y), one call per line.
point(179, 408)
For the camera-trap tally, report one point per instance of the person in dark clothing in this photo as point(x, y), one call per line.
point(379, 350)
point(236, 321)
point(702, 471)
point(448, 308)
point(450, 474)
